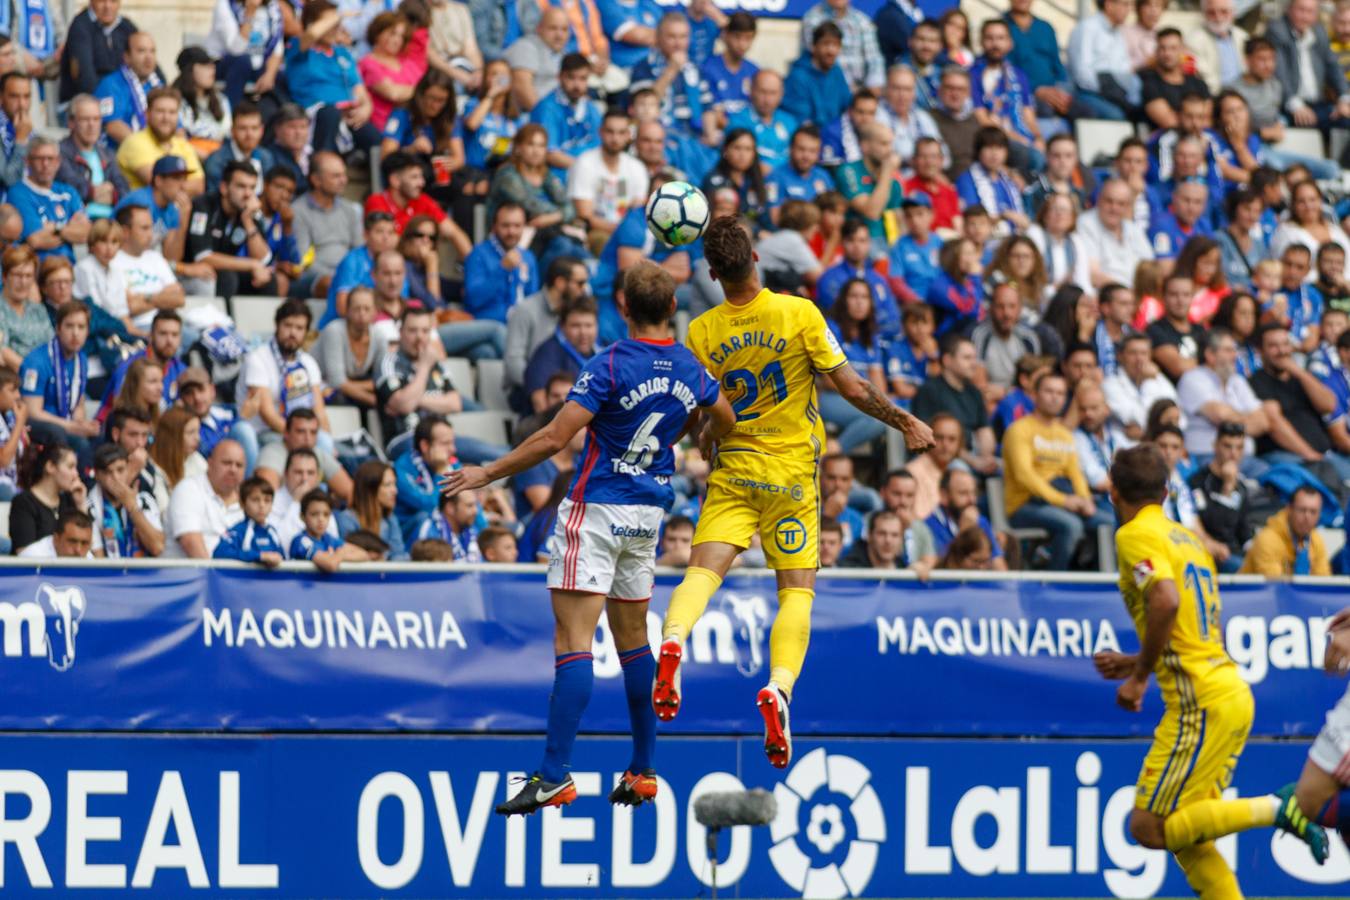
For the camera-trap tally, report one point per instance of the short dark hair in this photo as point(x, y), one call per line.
point(741, 22)
point(280, 173)
point(1079, 347)
point(490, 536)
point(1255, 44)
point(678, 521)
point(301, 453)
point(9, 376)
point(396, 162)
point(123, 215)
point(826, 30)
point(255, 485)
point(431, 550)
point(1167, 428)
point(649, 292)
point(166, 315)
point(990, 136)
point(1168, 32)
point(561, 267)
point(71, 308)
point(573, 61)
point(807, 129)
point(106, 455)
point(852, 227)
point(368, 541)
point(505, 206)
point(245, 108)
point(236, 167)
point(1305, 489)
point(72, 516)
point(121, 415)
point(302, 414)
point(585, 305)
point(727, 246)
point(1139, 473)
point(426, 427)
point(951, 342)
point(862, 94)
point(316, 495)
point(990, 23)
point(292, 309)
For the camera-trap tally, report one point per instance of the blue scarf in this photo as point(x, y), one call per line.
point(1103, 454)
point(34, 33)
point(118, 521)
point(997, 193)
point(69, 391)
point(424, 479)
point(138, 91)
point(572, 352)
point(1302, 557)
point(1106, 348)
point(273, 13)
point(9, 474)
point(464, 545)
point(515, 279)
point(289, 370)
point(6, 133)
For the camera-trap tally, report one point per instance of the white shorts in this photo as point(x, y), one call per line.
point(600, 548)
point(1331, 751)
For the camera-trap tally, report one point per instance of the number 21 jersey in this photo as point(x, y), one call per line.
point(641, 393)
point(766, 354)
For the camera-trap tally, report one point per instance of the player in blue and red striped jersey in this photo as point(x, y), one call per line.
point(635, 401)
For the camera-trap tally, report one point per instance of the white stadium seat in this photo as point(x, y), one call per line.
point(492, 384)
point(461, 374)
point(344, 420)
point(486, 426)
point(1303, 141)
point(1100, 137)
point(255, 316)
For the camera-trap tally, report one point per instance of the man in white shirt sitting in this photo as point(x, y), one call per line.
point(301, 477)
point(149, 279)
point(72, 539)
point(606, 181)
point(204, 507)
point(1133, 390)
point(1213, 393)
point(1114, 242)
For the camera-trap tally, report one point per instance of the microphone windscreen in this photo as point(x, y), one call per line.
point(731, 808)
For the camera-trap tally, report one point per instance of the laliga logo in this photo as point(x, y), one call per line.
point(51, 621)
point(749, 617)
point(816, 869)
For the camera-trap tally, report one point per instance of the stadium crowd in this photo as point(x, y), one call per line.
point(921, 182)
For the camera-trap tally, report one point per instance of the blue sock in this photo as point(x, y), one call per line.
point(573, 678)
point(639, 667)
point(1336, 814)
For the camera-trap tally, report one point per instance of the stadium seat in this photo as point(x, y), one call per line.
point(1100, 137)
point(461, 375)
point(203, 302)
point(486, 426)
point(344, 420)
point(998, 514)
point(1303, 141)
point(4, 519)
point(317, 307)
point(492, 384)
point(255, 316)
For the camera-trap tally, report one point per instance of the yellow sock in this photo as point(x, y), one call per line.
point(1207, 873)
point(689, 601)
point(1210, 819)
point(790, 636)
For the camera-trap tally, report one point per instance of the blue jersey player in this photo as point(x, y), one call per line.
point(635, 401)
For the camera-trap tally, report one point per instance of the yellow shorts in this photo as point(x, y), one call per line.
point(749, 492)
point(1194, 753)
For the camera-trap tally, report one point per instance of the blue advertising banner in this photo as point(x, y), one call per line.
point(401, 816)
point(178, 648)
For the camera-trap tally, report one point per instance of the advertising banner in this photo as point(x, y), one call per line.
point(439, 650)
point(403, 816)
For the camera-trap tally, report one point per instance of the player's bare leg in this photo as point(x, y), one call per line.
point(709, 563)
point(628, 624)
point(575, 616)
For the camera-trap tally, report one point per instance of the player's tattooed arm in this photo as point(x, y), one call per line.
point(865, 396)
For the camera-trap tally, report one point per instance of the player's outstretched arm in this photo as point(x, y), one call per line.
point(865, 396)
point(538, 447)
point(1161, 604)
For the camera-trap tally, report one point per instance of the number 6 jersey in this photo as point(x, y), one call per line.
point(766, 353)
point(641, 393)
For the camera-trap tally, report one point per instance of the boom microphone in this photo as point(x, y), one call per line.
point(731, 808)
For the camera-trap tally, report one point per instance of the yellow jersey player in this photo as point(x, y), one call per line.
point(766, 349)
point(1171, 590)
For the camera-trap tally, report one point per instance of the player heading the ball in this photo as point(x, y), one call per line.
point(766, 349)
point(634, 400)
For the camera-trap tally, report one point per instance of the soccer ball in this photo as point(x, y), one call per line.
point(677, 213)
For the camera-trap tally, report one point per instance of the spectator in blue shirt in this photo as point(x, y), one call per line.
point(926, 58)
point(121, 94)
point(1184, 218)
point(278, 219)
point(52, 212)
point(957, 294)
point(856, 264)
point(816, 89)
point(686, 99)
point(431, 455)
point(896, 21)
point(799, 177)
point(316, 544)
point(571, 118)
point(841, 139)
point(244, 145)
point(853, 323)
point(499, 273)
point(631, 242)
point(773, 128)
point(356, 268)
point(166, 198)
point(907, 358)
point(987, 183)
point(957, 510)
point(631, 27)
point(253, 540)
point(729, 76)
point(706, 24)
point(1035, 50)
point(571, 346)
point(1006, 101)
point(914, 257)
point(54, 379)
point(320, 72)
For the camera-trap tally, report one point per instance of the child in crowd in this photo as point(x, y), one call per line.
point(1331, 277)
point(1266, 280)
point(497, 545)
point(1018, 402)
point(315, 543)
point(13, 426)
point(828, 242)
point(914, 258)
point(95, 278)
point(253, 540)
point(431, 550)
point(1298, 304)
point(910, 360)
point(978, 226)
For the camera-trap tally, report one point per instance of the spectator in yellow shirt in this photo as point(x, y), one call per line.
point(1044, 486)
point(1290, 544)
point(159, 137)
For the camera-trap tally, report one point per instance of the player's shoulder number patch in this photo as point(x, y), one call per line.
point(105, 106)
point(198, 224)
point(1143, 573)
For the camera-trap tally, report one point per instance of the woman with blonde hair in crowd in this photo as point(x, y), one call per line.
point(143, 389)
point(1017, 261)
point(178, 434)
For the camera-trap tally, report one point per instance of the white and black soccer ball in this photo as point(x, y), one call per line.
point(677, 213)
